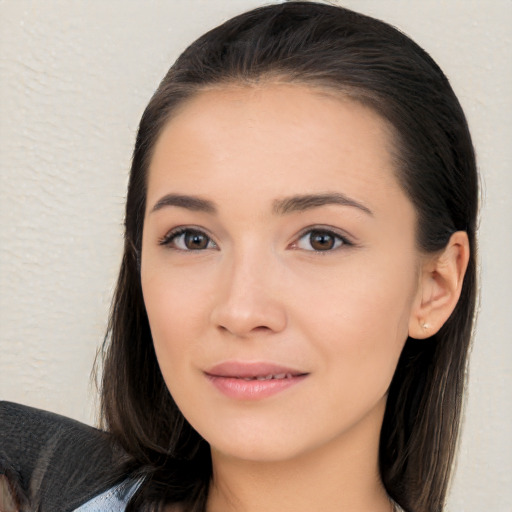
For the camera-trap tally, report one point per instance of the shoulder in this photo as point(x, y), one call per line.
point(53, 462)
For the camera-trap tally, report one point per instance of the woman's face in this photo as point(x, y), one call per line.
point(279, 268)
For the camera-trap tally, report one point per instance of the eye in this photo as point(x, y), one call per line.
point(320, 240)
point(186, 239)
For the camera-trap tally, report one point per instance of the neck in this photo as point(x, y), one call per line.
point(341, 475)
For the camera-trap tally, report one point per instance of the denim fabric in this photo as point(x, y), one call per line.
point(113, 500)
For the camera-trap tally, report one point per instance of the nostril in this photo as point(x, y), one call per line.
point(261, 328)
point(258, 329)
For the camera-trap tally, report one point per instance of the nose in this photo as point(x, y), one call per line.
point(249, 298)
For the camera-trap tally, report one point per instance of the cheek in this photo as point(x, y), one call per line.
point(176, 308)
point(359, 318)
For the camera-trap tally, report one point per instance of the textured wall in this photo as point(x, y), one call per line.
point(74, 79)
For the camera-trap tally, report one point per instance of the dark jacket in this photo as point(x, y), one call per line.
point(52, 463)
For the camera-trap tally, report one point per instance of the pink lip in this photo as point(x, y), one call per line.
point(231, 379)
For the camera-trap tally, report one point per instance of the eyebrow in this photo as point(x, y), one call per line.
point(283, 206)
point(184, 201)
point(301, 203)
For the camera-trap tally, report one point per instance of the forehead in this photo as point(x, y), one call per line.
point(273, 139)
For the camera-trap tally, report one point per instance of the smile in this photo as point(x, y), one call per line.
point(269, 377)
point(252, 381)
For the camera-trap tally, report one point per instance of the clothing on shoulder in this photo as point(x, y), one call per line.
point(50, 463)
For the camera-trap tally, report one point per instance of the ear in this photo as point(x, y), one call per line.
point(440, 283)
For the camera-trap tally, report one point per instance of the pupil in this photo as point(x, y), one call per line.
point(196, 241)
point(321, 241)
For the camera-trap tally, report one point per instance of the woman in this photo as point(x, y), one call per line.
point(295, 303)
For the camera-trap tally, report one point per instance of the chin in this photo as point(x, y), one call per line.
point(262, 442)
point(258, 452)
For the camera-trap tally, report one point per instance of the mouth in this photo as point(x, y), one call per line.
point(252, 381)
point(278, 376)
point(253, 371)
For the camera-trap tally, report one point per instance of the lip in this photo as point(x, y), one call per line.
point(253, 380)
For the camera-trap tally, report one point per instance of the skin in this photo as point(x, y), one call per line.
point(259, 291)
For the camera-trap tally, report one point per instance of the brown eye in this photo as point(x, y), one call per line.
point(188, 240)
point(321, 240)
point(195, 240)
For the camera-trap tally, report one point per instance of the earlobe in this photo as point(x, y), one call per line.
point(439, 289)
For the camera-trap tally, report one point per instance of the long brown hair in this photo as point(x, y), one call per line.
point(371, 62)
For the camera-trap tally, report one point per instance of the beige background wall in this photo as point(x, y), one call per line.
point(74, 79)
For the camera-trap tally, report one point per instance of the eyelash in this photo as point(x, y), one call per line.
point(170, 238)
point(338, 239)
point(174, 234)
